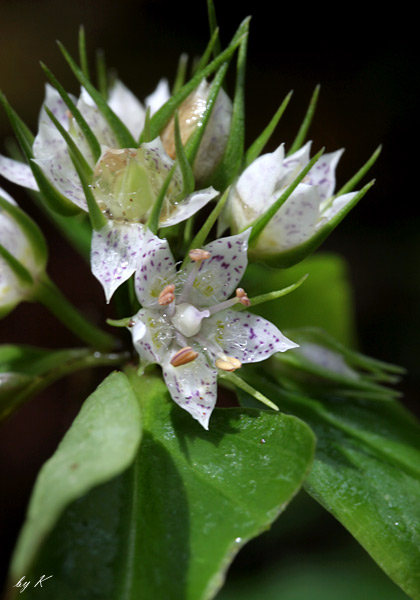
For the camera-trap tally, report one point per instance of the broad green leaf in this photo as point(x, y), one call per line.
point(324, 300)
point(367, 474)
point(170, 526)
point(100, 444)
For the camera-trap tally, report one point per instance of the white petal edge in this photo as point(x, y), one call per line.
point(156, 269)
point(17, 172)
point(127, 107)
point(188, 207)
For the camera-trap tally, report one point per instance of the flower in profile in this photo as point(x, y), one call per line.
point(22, 254)
point(305, 213)
point(215, 137)
point(189, 324)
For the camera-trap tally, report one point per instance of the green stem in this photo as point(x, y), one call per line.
point(50, 296)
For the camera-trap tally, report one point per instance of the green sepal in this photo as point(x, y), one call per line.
point(288, 258)
point(124, 137)
point(214, 40)
point(258, 145)
point(165, 112)
point(153, 220)
point(261, 222)
point(188, 182)
point(21, 272)
point(303, 130)
point(30, 230)
point(84, 64)
point(211, 11)
point(181, 73)
point(231, 163)
point(90, 137)
point(56, 201)
point(146, 128)
point(241, 384)
point(353, 181)
point(261, 299)
point(101, 73)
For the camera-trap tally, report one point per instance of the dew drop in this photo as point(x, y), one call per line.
point(262, 441)
point(238, 540)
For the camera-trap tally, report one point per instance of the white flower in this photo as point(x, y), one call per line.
point(187, 325)
point(15, 241)
point(309, 208)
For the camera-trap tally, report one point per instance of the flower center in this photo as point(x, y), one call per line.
point(187, 319)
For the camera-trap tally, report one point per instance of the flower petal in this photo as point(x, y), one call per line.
point(219, 275)
point(17, 172)
point(245, 336)
point(193, 387)
point(152, 335)
point(115, 253)
point(336, 206)
point(158, 98)
point(127, 107)
point(96, 121)
point(56, 105)
point(156, 269)
point(322, 173)
point(260, 180)
point(189, 206)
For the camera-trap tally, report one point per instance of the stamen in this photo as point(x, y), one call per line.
point(243, 297)
point(228, 363)
point(183, 356)
point(167, 295)
point(198, 254)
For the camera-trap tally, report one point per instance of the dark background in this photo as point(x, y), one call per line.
point(367, 66)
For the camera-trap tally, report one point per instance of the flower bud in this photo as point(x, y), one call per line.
point(215, 137)
point(298, 226)
point(22, 254)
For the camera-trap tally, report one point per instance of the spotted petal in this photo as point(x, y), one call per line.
point(322, 173)
point(245, 336)
point(115, 253)
point(96, 121)
point(219, 275)
point(17, 172)
point(152, 335)
point(336, 206)
point(189, 206)
point(193, 387)
point(56, 105)
point(156, 269)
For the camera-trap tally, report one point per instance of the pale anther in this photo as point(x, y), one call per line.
point(243, 297)
point(167, 295)
point(228, 363)
point(198, 254)
point(183, 356)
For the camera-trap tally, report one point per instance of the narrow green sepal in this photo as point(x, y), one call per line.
point(146, 128)
point(124, 137)
point(165, 112)
point(90, 137)
point(97, 218)
point(101, 73)
point(353, 181)
point(56, 201)
point(202, 63)
point(288, 258)
point(21, 272)
point(273, 295)
point(29, 228)
point(258, 145)
point(181, 73)
point(231, 162)
point(188, 182)
point(303, 130)
point(119, 322)
point(83, 53)
point(153, 221)
point(71, 144)
point(211, 11)
point(262, 221)
point(238, 382)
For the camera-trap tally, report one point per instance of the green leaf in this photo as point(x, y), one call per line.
point(25, 371)
point(325, 300)
point(367, 474)
point(100, 444)
point(170, 527)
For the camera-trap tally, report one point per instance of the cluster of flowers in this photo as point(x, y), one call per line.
point(188, 323)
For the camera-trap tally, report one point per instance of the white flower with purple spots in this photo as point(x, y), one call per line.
point(309, 208)
point(188, 323)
